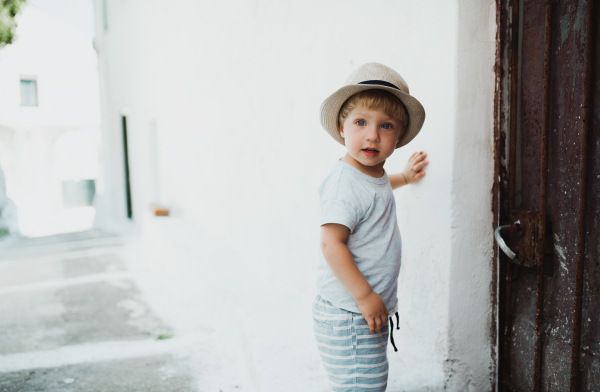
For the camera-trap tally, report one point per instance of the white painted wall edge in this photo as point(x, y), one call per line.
point(471, 364)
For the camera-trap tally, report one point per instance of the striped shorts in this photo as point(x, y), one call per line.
point(354, 359)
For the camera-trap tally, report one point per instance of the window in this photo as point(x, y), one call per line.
point(105, 14)
point(29, 92)
point(78, 193)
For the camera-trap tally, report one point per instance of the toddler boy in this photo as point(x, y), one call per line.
point(372, 115)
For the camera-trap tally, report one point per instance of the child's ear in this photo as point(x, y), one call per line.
point(342, 131)
point(399, 136)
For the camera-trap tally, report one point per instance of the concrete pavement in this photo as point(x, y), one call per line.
point(73, 318)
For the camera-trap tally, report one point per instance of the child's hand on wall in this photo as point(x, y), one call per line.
point(413, 172)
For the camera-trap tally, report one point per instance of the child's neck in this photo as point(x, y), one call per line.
point(373, 171)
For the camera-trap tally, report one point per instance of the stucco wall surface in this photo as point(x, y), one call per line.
point(222, 101)
point(469, 367)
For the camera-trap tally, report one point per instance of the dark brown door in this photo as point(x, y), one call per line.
point(548, 180)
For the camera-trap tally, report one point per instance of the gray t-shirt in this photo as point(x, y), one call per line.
point(367, 207)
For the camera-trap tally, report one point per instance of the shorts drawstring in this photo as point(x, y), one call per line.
point(392, 330)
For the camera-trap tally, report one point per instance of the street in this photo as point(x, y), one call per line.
point(97, 315)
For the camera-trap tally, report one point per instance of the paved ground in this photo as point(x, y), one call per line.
point(73, 318)
point(159, 373)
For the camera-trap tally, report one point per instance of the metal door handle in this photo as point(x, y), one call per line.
point(501, 242)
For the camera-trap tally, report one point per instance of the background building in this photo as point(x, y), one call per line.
point(49, 124)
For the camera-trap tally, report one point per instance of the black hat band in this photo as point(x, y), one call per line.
point(380, 83)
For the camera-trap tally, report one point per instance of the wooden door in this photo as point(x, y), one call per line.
point(547, 151)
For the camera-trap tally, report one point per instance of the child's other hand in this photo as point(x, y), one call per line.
point(374, 311)
point(413, 172)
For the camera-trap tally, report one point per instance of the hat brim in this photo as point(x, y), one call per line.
point(330, 110)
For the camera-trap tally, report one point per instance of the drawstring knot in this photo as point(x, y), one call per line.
point(392, 330)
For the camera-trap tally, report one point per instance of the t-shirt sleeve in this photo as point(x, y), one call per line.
point(338, 200)
point(338, 211)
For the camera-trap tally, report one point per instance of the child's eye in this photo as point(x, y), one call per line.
point(361, 123)
point(387, 126)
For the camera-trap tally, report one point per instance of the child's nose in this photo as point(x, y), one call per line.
point(373, 134)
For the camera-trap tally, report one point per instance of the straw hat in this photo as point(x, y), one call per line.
point(368, 77)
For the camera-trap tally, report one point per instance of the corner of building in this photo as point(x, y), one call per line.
point(470, 365)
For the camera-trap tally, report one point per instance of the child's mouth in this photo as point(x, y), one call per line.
point(370, 152)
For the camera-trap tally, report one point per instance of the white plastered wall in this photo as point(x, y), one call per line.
point(467, 367)
point(231, 91)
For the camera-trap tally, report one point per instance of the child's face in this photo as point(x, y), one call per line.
point(370, 136)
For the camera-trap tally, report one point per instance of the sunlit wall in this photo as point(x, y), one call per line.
point(222, 104)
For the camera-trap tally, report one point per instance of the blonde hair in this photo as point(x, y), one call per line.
point(375, 99)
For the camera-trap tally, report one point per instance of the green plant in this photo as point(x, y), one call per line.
point(8, 10)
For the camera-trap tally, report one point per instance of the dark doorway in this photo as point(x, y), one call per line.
point(126, 162)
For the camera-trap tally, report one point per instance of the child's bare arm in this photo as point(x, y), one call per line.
point(413, 172)
point(342, 264)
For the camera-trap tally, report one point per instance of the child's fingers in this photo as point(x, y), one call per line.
point(416, 158)
point(377, 324)
point(381, 321)
point(420, 157)
point(371, 322)
point(384, 320)
point(421, 165)
point(416, 177)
